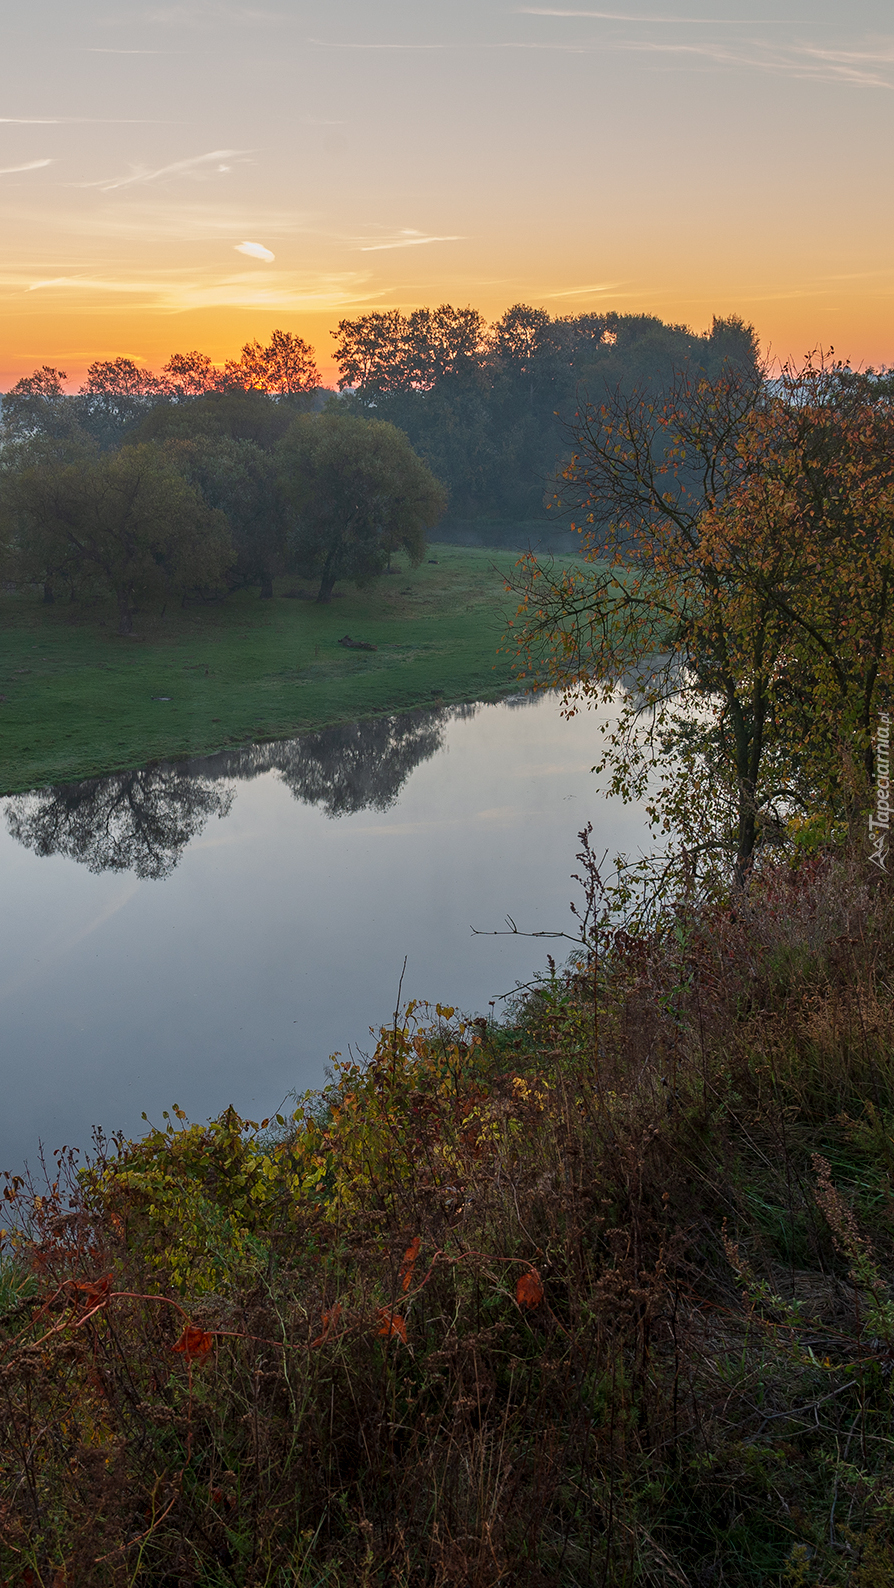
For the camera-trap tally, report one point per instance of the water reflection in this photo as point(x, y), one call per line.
point(142, 821)
point(132, 821)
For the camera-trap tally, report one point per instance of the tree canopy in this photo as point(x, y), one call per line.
point(126, 523)
point(488, 407)
point(356, 493)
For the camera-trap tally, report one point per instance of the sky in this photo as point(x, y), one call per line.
point(196, 174)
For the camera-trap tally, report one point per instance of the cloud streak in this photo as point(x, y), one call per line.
point(405, 240)
point(91, 121)
point(197, 166)
point(174, 294)
point(857, 68)
point(620, 16)
point(799, 62)
point(31, 165)
point(583, 292)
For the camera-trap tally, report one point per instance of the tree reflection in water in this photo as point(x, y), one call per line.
point(133, 821)
point(142, 821)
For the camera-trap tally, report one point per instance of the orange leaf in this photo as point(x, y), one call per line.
point(392, 1323)
point(194, 1343)
point(409, 1263)
point(330, 1322)
point(94, 1289)
point(529, 1290)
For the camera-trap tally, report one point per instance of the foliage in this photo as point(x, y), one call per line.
point(125, 523)
point(747, 607)
point(239, 478)
point(507, 1304)
point(357, 493)
point(232, 414)
point(487, 406)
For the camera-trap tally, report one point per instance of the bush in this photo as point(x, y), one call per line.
point(542, 1303)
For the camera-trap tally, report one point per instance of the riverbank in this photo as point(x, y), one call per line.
point(534, 1303)
point(78, 700)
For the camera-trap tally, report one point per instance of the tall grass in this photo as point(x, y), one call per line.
point(553, 1302)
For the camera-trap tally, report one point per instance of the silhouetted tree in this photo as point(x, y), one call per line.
point(37, 406)
point(285, 368)
point(189, 375)
point(116, 395)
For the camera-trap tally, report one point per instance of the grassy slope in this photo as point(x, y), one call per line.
point(492, 1314)
point(79, 700)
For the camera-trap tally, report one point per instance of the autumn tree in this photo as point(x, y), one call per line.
point(356, 493)
point(737, 580)
point(128, 522)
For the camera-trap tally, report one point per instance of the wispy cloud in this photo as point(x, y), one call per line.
point(209, 13)
point(169, 293)
point(32, 165)
point(198, 166)
point(864, 68)
point(406, 239)
point(91, 121)
point(87, 284)
point(583, 292)
point(337, 44)
point(797, 61)
point(621, 16)
point(103, 49)
point(255, 251)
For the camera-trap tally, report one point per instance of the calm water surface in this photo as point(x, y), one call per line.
point(211, 932)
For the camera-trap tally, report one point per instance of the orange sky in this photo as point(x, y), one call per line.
point(684, 161)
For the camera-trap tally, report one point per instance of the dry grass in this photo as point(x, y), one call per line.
point(498, 1309)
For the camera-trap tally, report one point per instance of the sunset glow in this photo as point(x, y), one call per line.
point(192, 175)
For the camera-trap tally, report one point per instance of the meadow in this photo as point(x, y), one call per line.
point(77, 699)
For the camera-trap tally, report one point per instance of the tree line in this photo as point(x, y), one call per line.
point(486, 406)
point(222, 482)
point(491, 408)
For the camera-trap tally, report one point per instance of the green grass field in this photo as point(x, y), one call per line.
point(78, 700)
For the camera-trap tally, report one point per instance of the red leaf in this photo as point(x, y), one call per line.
point(409, 1263)
point(194, 1343)
point(529, 1290)
point(392, 1324)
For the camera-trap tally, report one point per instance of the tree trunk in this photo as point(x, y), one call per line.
point(266, 587)
point(327, 580)
point(125, 613)
point(48, 594)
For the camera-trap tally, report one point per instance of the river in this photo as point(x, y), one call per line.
point(210, 932)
